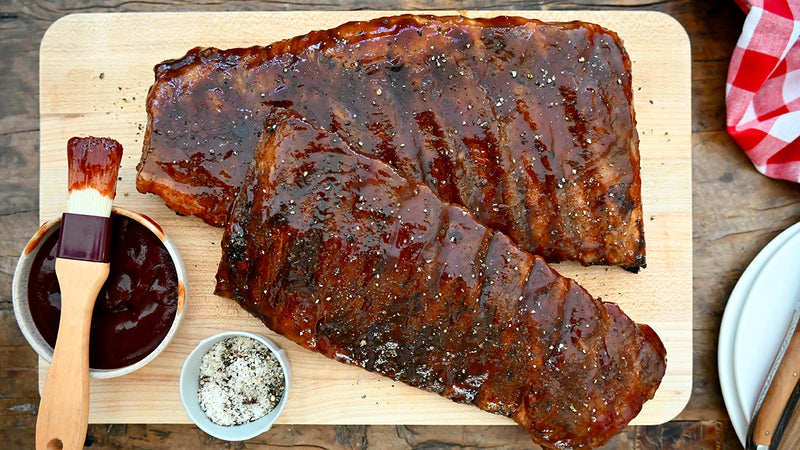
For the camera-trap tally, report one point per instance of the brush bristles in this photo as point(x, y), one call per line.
point(93, 164)
point(89, 202)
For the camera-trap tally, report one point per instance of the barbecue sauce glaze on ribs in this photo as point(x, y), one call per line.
point(528, 125)
point(340, 253)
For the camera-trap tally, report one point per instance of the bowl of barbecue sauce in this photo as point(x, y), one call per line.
point(138, 310)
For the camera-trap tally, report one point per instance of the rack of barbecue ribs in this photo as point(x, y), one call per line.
point(340, 253)
point(527, 125)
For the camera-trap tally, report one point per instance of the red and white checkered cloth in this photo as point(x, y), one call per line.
point(763, 90)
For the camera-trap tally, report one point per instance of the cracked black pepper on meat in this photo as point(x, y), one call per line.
point(528, 125)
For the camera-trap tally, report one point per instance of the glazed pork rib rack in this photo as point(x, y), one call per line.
point(340, 253)
point(528, 125)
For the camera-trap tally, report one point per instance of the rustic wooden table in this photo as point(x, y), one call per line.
point(736, 212)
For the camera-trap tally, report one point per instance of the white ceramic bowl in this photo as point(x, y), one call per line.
point(190, 383)
point(19, 293)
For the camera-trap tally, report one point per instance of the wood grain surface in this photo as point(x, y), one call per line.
point(736, 211)
point(95, 70)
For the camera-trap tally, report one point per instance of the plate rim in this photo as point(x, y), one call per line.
point(789, 251)
point(730, 325)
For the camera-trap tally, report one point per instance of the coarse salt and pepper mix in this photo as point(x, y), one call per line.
point(241, 381)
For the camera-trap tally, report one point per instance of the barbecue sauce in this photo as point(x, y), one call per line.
point(530, 126)
point(134, 310)
point(90, 158)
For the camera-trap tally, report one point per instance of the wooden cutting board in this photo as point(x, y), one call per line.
point(95, 71)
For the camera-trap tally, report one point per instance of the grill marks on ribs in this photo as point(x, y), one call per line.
point(341, 254)
point(528, 125)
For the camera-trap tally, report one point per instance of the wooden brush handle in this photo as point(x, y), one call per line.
point(778, 393)
point(64, 408)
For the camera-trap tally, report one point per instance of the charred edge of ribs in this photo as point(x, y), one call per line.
point(528, 125)
point(339, 253)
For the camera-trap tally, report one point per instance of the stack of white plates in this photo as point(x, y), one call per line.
point(755, 322)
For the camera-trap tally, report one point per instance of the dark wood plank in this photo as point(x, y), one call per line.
point(791, 435)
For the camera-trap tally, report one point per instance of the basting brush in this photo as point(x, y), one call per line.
point(82, 267)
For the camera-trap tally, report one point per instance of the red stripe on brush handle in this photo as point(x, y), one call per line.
point(86, 238)
point(94, 163)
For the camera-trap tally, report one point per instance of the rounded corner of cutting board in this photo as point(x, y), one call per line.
point(671, 398)
point(677, 404)
point(673, 28)
point(57, 29)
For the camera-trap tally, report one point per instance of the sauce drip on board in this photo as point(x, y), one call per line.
point(134, 310)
